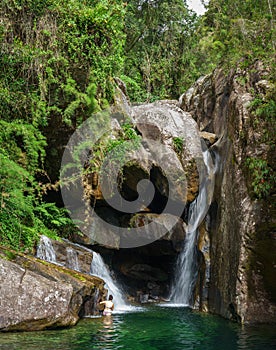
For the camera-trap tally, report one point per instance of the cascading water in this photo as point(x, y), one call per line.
point(186, 267)
point(72, 259)
point(98, 268)
point(45, 250)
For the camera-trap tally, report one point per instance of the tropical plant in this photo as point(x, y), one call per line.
point(262, 175)
point(57, 63)
point(159, 47)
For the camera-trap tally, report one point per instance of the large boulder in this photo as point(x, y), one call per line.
point(173, 135)
point(35, 294)
point(168, 156)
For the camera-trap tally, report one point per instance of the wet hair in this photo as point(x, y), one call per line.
point(110, 297)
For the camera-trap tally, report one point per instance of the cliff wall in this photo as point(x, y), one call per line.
point(241, 219)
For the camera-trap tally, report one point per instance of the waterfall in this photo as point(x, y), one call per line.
point(186, 266)
point(99, 268)
point(72, 259)
point(45, 250)
point(96, 299)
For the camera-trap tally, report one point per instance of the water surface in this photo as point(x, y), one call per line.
point(153, 328)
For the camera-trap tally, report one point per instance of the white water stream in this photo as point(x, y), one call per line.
point(186, 267)
point(45, 251)
point(72, 259)
point(99, 268)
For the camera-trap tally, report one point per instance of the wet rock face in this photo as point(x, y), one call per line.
point(240, 226)
point(72, 256)
point(36, 295)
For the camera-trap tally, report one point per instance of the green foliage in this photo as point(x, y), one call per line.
point(16, 215)
point(178, 144)
point(21, 155)
point(168, 47)
point(262, 175)
point(235, 30)
point(134, 86)
point(57, 63)
point(159, 49)
point(118, 146)
point(263, 109)
point(261, 172)
point(58, 58)
point(52, 216)
point(23, 143)
point(23, 217)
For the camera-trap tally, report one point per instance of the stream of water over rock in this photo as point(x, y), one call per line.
point(45, 250)
point(98, 268)
point(186, 266)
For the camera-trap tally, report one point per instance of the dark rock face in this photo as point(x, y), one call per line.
point(36, 295)
point(240, 227)
point(174, 237)
point(144, 270)
point(147, 269)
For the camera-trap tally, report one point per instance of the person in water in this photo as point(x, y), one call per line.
point(108, 306)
